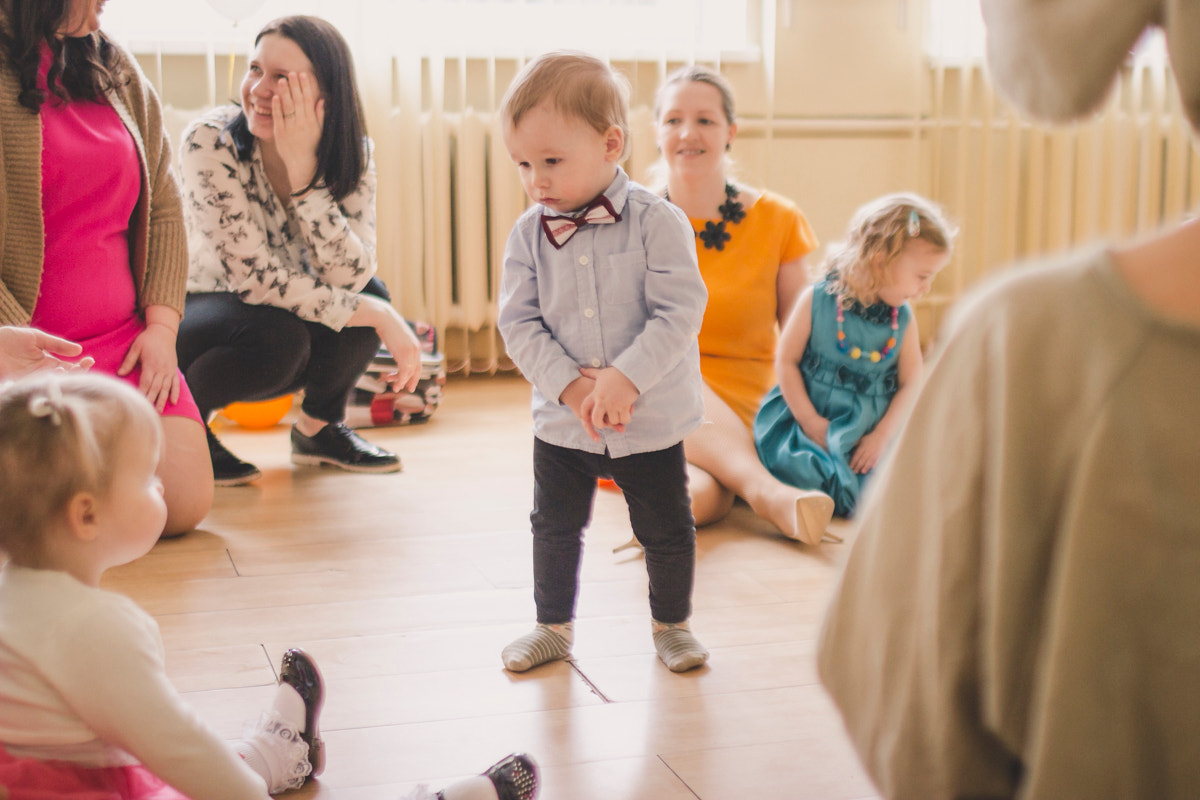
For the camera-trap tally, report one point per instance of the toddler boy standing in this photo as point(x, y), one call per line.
point(600, 305)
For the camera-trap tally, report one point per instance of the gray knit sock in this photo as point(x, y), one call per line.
point(677, 647)
point(544, 643)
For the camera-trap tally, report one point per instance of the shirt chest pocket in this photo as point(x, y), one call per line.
point(623, 277)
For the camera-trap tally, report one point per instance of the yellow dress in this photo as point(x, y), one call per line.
point(737, 339)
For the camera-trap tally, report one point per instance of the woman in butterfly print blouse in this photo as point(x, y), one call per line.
point(751, 246)
point(279, 196)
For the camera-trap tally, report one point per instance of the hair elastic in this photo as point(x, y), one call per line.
point(914, 223)
point(48, 405)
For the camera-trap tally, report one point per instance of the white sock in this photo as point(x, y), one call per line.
point(254, 760)
point(290, 705)
point(544, 643)
point(479, 787)
point(272, 747)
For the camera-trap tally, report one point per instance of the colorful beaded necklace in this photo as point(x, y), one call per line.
point(857, 352)
point(714, 236)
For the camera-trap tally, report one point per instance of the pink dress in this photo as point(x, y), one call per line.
point(91, 179)
point(31, 779)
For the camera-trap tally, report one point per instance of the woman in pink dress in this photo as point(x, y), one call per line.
point(92, 241)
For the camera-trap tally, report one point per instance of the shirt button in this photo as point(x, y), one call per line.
point(596, 362)
point(583, 260)
point(589, 313)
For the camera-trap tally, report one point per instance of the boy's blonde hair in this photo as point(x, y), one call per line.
point(59, 435)
point(877, 233)
point(577, 85)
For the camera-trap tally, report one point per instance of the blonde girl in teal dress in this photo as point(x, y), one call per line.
point(849, 358)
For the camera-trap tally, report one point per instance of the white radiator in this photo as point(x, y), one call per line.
point(448, 193)
point(446, 217)
point(1019, 191)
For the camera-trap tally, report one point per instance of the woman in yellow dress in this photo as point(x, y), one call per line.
point(751, 245)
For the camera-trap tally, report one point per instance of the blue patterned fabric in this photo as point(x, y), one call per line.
point(852, 394)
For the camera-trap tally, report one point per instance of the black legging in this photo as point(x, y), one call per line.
point(235, 352)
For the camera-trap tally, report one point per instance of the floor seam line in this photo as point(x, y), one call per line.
point(593, 687)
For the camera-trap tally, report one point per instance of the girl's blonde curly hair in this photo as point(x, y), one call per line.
point(879, 230)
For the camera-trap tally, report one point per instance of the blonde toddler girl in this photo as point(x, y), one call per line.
point(86, 709)
point(849, 357)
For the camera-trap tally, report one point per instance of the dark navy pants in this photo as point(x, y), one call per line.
point(660, 512)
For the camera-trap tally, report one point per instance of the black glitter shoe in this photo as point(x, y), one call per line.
point(515, 777)
point(299, 671)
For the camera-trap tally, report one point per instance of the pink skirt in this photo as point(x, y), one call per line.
point(31, 779)
point(109, 350)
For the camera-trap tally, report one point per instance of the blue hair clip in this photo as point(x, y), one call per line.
point(914, 224)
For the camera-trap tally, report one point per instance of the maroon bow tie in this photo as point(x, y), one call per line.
point(560, 229)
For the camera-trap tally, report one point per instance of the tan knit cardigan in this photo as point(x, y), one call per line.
point(158, 241)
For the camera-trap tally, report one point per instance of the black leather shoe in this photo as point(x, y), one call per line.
point(228, 469)
point(515, 777)
point(336, 444)
point(299, 671)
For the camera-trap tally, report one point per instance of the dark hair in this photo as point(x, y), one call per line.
point(342, 151)
point(83, 68)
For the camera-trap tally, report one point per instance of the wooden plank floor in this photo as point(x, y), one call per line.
point(406, 587)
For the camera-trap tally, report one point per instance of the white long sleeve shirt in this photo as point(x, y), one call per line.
point(82, 679)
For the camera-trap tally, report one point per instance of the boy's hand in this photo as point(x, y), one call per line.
point(610, 405)
point(574, 396)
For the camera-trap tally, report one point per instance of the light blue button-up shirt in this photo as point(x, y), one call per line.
point(627, 295)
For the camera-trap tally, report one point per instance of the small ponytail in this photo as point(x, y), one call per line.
point(49, 405)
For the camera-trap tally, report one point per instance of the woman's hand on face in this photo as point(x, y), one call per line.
point(298, 115)
point(154, 349)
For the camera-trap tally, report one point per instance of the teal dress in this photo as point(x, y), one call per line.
point(852, 394)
